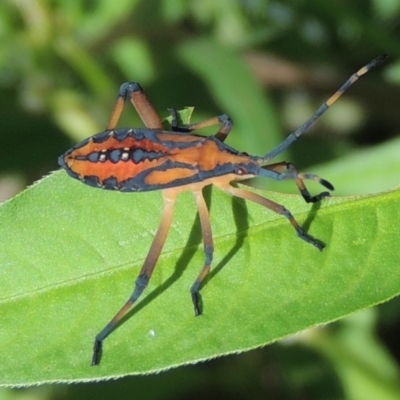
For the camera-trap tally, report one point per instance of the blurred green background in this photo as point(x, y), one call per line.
point(268, 64)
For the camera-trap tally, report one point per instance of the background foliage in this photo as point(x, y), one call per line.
point(266, 63)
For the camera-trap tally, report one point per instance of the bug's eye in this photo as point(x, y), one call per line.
point(241, 171)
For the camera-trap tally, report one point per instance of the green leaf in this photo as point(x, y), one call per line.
point(184, 116)
point(69, 255)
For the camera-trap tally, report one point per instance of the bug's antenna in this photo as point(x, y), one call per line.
point(303, 128)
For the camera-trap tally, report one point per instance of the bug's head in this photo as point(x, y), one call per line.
point(246, 170)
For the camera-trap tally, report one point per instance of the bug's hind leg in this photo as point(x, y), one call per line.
point(223, 120)
point(208, 249)
point(140, 102)
point(144, 275)
point(277, 208)
point(283, 167)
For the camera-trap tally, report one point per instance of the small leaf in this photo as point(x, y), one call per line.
point(184, 116)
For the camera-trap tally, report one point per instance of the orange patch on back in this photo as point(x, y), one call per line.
point(169, 175)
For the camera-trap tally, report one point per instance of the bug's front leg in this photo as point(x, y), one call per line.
point(144, 275)
point(283, 167)
point(208, 249)
point(284, 171)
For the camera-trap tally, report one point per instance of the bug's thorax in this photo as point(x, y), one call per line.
point(213, 154)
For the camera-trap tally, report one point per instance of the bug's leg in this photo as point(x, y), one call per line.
point(278, 208)
point(292, 174)
point(208, 248)
point(283, 167)
point(303, 128)
point(140, 102)
point(144, 275)
point(223, 120)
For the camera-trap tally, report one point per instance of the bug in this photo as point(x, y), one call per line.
point(152, 158)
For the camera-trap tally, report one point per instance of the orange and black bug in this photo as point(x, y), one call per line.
point(151, 158)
